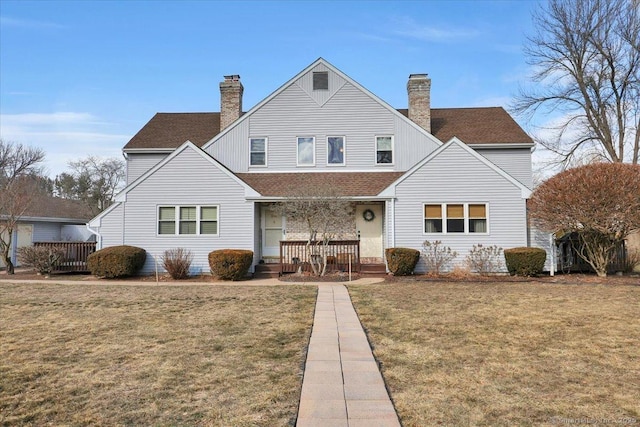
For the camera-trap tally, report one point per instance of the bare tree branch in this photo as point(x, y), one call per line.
point(586, 60)
point(19, 186)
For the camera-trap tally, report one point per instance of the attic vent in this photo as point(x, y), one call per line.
point(321, 80)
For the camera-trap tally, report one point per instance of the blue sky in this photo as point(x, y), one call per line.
point(81, 78)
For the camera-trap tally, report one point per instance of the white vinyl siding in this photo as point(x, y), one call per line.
point(336, 150)
point(514, 161)
point(187, 180)
point(453, 176)
point(455, 218)
point(138, 164)
point(343, 110)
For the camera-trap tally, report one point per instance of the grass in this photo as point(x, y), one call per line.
point(503, 354)
point(155, 355)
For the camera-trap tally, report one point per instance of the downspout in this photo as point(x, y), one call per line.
point(97, 234)
point(552, 248)
point(392, 229)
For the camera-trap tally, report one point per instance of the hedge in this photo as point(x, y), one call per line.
point(116, 261)
point(402, 261)
point(230, 264)
point(525, 261)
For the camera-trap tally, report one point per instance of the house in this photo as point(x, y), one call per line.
point(50, 219)
point(207, 181)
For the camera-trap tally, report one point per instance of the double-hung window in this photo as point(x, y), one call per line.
point(258, 151)
point(384, 150)
point(188, 220)
point(455, 218)
point(306, 151)
point(335, 150)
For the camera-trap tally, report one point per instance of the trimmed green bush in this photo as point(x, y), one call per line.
point(230, 264)
point(402, 261)
point(116, 261)
point(525, 261)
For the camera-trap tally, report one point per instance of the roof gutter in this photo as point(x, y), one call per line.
point(148, 150)
point(503, 145)
point(285, 198)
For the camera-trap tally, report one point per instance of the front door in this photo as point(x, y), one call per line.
point(272, 224)
point(369, 226)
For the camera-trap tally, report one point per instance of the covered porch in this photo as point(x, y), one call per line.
point(357, 246)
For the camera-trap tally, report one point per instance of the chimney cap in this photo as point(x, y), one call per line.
point(418, 76)
point(232, 78)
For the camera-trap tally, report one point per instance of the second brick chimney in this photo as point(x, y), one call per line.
point(230, 100)
point(419, 90)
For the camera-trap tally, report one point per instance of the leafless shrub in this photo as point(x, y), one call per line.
point(42, 258)
point(177, 262)
point(484, 259)
point(437, 257)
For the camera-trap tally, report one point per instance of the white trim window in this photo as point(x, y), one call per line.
point(258, 151)
point(306, 147)
point(336, 150)
point(188, 220)
point(454, 218)
point(384, 150)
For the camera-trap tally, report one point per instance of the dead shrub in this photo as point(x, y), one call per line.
point(459, 272)
point(437, 257)
point(177, 262)
point(42, 258)
point(484, 259)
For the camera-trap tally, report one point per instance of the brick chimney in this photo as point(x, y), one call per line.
point(419, 90)
point(230, 100)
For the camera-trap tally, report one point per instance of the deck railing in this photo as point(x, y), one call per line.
point(296, 255)
point(76, 254)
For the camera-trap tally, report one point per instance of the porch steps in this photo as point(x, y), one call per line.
point(373, 270)
point(267, 271)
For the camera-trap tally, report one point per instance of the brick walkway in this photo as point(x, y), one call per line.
point(342, 385)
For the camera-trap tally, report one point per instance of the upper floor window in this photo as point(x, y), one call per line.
point(384, 150)
point(188, 220)
point(455, 218)
point(321, 80)
point(306, 151)
point(258, 151)
point(335, 150)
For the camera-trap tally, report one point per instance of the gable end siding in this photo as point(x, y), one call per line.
point(455, 176)
point(349, 113)
point(138, 164)
point(515, 161)
point(186, 180)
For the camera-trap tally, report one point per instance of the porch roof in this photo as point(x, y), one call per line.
point(348, 184)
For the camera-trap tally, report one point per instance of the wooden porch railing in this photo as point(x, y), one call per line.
point(76, 254)
point(295, 255)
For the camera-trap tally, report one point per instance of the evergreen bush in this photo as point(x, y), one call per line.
point(230, 264)
point(116, 261)
point(402, 261)
point(525, 261)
